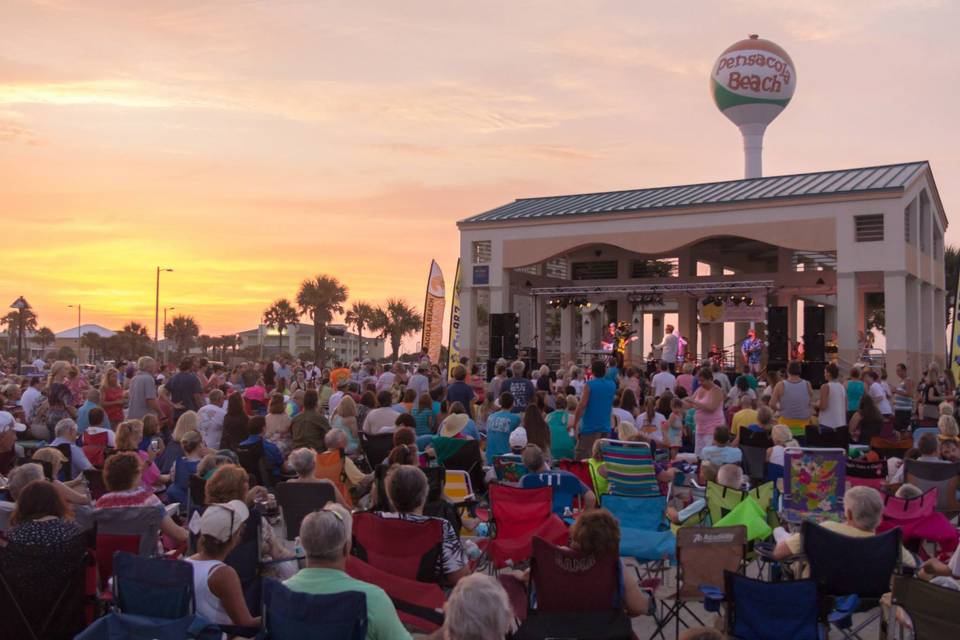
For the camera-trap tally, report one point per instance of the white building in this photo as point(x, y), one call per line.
point(298, 338)
point(825, 239)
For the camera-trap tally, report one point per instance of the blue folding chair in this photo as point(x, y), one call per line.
point(289, 615)
point(152, 587)
point(758, 610)
point(644, 533)
point(919, 431)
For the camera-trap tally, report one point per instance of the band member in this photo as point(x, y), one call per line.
point(669, 347)
point(715, 355)
point(751, 350)
point(609, 339)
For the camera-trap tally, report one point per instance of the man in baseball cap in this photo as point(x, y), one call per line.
point(9, 427)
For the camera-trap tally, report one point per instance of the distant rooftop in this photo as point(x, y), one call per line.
point(103, 332)
point(892, 177)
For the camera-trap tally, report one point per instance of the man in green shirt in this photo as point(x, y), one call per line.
point(309, 427)
point(326, 538)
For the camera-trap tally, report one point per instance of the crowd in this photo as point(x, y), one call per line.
point(145, 430)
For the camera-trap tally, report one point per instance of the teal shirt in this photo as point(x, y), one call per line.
point(855, 391)
point(382, 620)
point(561, 443)
point(751, 380)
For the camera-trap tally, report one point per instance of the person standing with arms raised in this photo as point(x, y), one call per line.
point(591, 422)
point(669, 347)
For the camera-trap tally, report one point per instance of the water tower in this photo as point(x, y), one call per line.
point(752, 82)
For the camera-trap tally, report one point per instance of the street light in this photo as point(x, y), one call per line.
point(21, 305)
point(79, 336)
point(156, 316)
point(165, 309)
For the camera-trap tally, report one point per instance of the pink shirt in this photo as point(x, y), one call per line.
point(708, 421)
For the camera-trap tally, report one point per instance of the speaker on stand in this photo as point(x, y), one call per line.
point(814, 345)
point(778, 348)
point(504, 336)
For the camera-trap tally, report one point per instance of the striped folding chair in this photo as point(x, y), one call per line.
point(629, 467)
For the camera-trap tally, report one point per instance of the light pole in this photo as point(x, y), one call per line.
point(165, 309)
point(156, 316)
point(79, 335)
point(21, 305)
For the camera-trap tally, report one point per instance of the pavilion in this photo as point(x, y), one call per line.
point(827, 239)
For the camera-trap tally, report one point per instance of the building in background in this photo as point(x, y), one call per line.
point(298, 339)
point(71, 338)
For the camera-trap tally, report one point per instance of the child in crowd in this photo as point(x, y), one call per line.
point(673, 429)
point(719, 453)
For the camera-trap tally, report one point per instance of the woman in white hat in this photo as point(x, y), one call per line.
point(216, 586)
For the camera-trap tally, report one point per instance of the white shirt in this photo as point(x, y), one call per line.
point(39, 364)
point(663, 381)
point(622, 414)
point(658, 420)
point(28, 401)
point(879, 397)
point(210, 424)
point(333, 402)
point(386, 380)
point(379, 420)
point(669, 345)
point(419, 383)
point(577, 385)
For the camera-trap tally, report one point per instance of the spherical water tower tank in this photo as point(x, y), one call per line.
point(752, 82)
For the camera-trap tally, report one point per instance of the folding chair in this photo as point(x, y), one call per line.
point(567, 489)
point(944, 476)
point(920, 523)
point(831, 556)
point(179, 489)
point(457, 487)
point(297, 499)
point(247, 562)
point(42, 590)
point(196, 494)
point(330, 466)
point(828, 438)
point(375, 448)
point(131, 529)
point(629, 467)
point(404, 548)
point(254, 462)
point(579, 468)
point(919, 432)
point(753, 446)
point(703, 554)
point(577, 595)
point(510, 469)
point(289, 615)
point(934, 610)
point(722, 500)
point(517, 515)
point(866, 473)
point(469, 459)
point(152, 587)
point(418, 604)
point(644, 533)
point(814, 481)
point(758, 610)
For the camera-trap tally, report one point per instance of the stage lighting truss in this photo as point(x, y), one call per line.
point(733, 298)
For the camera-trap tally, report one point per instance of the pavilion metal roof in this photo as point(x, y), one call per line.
point(892, 177)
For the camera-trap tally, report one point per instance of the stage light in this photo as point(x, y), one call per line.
point(750, 301)
point(708, 300)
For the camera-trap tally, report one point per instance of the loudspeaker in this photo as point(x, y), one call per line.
point(504, 335)
point(812, 372)
point(814, 326)
point(777, 348)
point(776, 365)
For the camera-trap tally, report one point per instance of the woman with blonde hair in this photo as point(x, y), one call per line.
point(111, 396)
point(782, 440)
point(947, 425)
point(129, 435)
point(186, 423)
point(277, 428)
point(345, 419)
point(61, 403)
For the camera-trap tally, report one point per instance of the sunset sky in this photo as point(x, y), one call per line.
point(250, 144)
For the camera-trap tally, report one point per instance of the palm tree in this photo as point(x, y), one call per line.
point(182, 330)
point(93, 342)
point(951, 267)
point(360, 315)
point(280, 314)
point(12, 322)
point(134, 340)
point(228, 341)
point(319, 298)
point(394, 321)
point(43, 337)
point(204, 342)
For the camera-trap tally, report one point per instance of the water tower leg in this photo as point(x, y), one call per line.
point(753, 149)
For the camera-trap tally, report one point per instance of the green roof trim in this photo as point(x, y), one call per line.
point(864, 180)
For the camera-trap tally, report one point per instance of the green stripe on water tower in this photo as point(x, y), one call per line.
point(726, 98)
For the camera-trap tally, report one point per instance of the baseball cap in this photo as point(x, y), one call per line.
point(518, 437)
point(7, 422)
point(220, 520)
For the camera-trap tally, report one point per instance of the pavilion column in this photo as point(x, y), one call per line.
point(848, 307)
point(568, 336)
point(926, 322)
point(939, 325)
point(913, 360)
point(895, 315)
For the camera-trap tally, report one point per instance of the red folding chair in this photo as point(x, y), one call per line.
point(924, 529)
point(402, 548)
point(517, 516)
point(579, 468)
point(418, 604)
point(131, 529)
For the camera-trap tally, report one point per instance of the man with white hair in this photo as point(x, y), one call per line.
point(325, 536)
point(143, 390)
point(67, 432)
point(519, 387)
point(862, 510)
point(210, 419)
point(19, 478)
point(419, 381)
point(478, 607)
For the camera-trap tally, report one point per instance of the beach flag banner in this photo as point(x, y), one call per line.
point(432, 334)
point(453, 357)
point(955, 333)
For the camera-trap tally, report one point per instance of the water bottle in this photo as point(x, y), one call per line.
point(472, 550)
point(483, 529)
